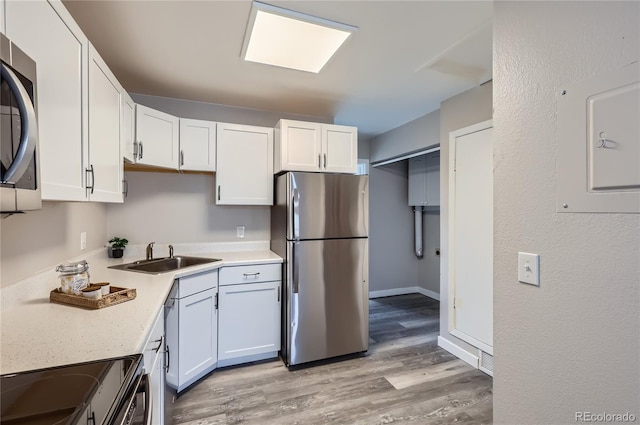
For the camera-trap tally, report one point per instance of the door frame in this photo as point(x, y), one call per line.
point(484, 125)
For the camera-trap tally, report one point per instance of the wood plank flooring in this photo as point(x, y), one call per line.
point(404, 378)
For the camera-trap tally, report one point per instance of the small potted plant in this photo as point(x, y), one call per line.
point(117, 247)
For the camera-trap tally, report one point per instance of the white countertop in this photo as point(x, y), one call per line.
point(37, 333)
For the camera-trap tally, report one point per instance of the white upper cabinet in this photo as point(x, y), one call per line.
point(308, 146)
point(157, 137)
point(298, 146)
point(128, 147)
point(244, 165)
point(197, 145)
point(105, 168)
point(78, 104)
point(340, 148)
point(47, 33)
point(424, 180)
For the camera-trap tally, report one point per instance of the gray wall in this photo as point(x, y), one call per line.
point(412, 136)
point(572, 344)
point(465, 109)
point(392, 220)
point(180, 208)
point(40, 240)
point(392, 263)
point(221, 113)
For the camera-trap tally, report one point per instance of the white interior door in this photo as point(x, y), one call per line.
point(471, 235)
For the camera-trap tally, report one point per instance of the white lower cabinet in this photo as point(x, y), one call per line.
point(154, 354)
point(191, 329)
point(249, 322)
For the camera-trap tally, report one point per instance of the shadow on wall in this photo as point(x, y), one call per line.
point(180, 208)
point(38, 240)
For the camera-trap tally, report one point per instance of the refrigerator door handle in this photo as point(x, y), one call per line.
point(295, 216)
point(296, 267)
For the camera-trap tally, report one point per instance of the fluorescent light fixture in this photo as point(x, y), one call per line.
point(288, 39)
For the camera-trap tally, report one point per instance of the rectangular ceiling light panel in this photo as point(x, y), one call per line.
point(288, 39)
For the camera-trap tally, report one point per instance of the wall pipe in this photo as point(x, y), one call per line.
point(417, 212)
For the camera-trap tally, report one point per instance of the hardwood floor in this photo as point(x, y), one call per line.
point(404, 378)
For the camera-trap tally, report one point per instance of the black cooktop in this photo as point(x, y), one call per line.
point(68, 394)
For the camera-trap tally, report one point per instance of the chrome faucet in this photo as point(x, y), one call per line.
point(150, 251)
point(170, 251)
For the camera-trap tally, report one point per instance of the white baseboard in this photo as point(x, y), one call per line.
point(404, 291)
point(460, 353)
point(428, 293)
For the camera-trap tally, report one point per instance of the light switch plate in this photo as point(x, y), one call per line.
point(240, 232)
point(83, 241)
point(529, 268)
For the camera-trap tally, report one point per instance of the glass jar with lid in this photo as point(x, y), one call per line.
point(74, 277)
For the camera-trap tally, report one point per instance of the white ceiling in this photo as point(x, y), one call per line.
point(405, 58)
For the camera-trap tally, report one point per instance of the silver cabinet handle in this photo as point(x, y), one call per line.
point(218, 192)
point(181, 158)
point(28, 129)
point(168, 358)
point(325, 161)
point(256, 274)
point(125, 188)
point(140, 148)
point(93, 178)
point(320, 161)
point(160, 342)
point(135, 150)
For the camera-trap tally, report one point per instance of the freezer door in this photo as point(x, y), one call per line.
point(325, 206)
point(327, 311)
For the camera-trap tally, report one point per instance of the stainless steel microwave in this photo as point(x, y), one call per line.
point(19, 161)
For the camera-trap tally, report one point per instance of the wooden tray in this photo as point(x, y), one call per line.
point(116, 296)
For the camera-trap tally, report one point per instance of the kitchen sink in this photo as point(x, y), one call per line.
point(162, 265)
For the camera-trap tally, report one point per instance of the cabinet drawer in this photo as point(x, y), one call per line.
point(193, 284)
point(250, 274)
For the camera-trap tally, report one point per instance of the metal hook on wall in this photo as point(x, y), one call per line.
point(602, 141)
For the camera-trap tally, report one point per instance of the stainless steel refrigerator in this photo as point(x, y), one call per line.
point(319, 225)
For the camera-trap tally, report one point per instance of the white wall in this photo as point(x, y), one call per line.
point(470, 107)
point(180, 208)
point(413, 136)
point(572, 344)
point(40, 240)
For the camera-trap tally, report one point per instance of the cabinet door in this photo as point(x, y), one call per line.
point(244, 165)
point(197, 145)
point(157, 137)
point(417, 181)
point(340, 148)
point(298, 146)
point(154, 365)
point(432, 180)
point(105, 163)
point(128, 130)
point(198, 344)
point(249, 320)
point(47, 33)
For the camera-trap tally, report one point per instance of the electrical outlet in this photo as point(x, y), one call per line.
point(83, 241)
point(240, 232)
